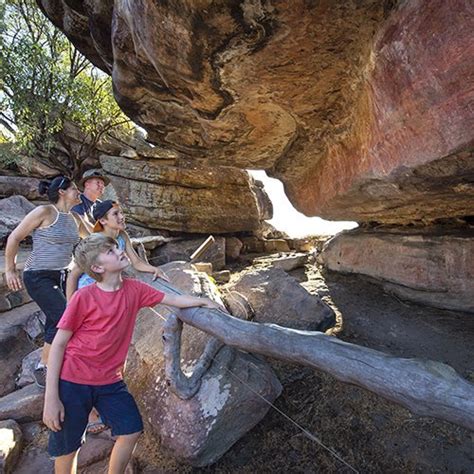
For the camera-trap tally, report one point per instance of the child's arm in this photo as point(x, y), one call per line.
point(138, 263)
point(72, 281)
point(53, 413)
point(185, 301)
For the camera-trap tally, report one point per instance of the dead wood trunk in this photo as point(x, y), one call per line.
point(427, 388)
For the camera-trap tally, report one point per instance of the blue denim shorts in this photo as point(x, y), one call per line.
point(115, 405)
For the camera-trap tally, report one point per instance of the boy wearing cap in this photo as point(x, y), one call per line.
point(93, 183)
point(89, 351)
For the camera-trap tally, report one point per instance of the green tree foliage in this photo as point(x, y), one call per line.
point(46, 85)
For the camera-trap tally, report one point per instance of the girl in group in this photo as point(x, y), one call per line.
point(55, 231)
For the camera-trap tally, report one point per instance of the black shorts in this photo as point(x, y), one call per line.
point(46, 287)
point(116, 407)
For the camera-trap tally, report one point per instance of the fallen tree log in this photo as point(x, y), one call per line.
point(427, 388)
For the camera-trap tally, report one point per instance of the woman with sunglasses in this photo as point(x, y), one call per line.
point(55, 232)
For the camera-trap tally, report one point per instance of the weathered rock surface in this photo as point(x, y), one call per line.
point(180, 197)
point(35, 460)
point(9, 299)
point(28, 317)
point(95, 449)
point(23, 405)
point(183, 249)
point(198, 430)
point(12, 210)
point(32, 430)
point(427, 266)
point(276, 297)
point(28, 366)
point(19, 185)
point(14, 345)
point(360, 108)
point(233, 247)
point(17, 329)
point(10, 445)
point(286, 262)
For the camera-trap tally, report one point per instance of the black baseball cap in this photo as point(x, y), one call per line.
point(99, 210)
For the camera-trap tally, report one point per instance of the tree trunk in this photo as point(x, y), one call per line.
point(427, 388)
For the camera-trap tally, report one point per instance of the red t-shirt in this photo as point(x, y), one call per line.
point(102, 323)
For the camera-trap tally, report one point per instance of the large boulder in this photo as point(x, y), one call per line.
point(18, 327)
point(22, 185)
point(229, 402)
point(12, 211)
point(276, 297)
point(361, 108)
point(24, 405)
point(173, 195)
point(422, 265)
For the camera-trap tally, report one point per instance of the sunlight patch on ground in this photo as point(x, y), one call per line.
point(287, 219)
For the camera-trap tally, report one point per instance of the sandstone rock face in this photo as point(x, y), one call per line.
point(23, 405)
point(233, 247)
point(361, 108)
point(28, 366)
point(35, 460)
point(9, 299)
point(17, 328)
point(177, 196)
point(276, 297)
point(286, 262)
point(430, 268)
point(12, 210)
point(198, 430)
point(183, 249)
point(10, 445)
point(25, 186)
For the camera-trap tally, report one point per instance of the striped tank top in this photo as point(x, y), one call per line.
point(53, 245)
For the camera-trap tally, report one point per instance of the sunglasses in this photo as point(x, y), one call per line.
point(63, 181)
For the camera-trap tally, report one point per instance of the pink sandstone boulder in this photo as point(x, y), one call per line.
point(422, 266)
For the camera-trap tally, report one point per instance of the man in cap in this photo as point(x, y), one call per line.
point(93, 183)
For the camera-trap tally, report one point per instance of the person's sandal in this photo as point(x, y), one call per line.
point(96, 427)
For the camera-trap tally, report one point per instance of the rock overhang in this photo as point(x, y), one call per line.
point(341, 100)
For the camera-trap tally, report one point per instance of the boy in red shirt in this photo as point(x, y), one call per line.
point(89, 351)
